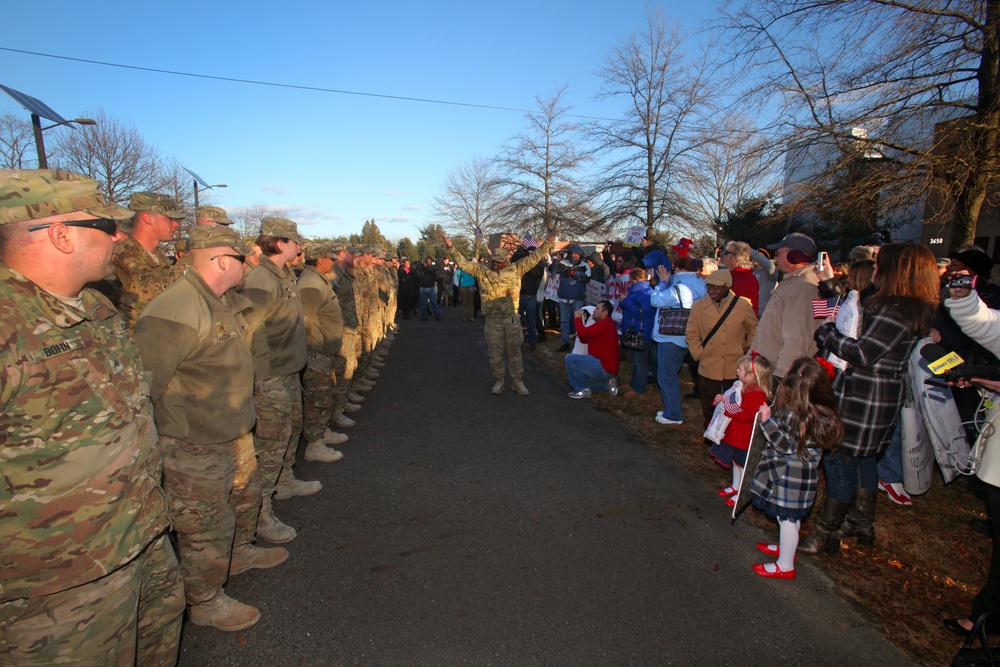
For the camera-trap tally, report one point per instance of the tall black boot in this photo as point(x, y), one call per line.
point(824, 533)
point(860, 521)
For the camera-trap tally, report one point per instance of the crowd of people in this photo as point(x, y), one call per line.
point(183, 414)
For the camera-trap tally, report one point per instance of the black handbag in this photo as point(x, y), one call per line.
point(673, 321)
point(632, 339)
point(968, 655)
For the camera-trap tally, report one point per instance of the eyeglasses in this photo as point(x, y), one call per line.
point(726, 252)
point(109, 227)
point(241, 258)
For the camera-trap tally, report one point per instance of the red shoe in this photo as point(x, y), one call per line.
point(728, 491)
point(730, 502)
point(777, 574)
point(774, 552)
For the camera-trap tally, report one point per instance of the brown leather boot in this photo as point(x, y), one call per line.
point(860, 520)
point(824, 533)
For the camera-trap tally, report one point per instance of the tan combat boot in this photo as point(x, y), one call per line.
point(497, 388)
point(318, 451)
point(378, 365)
point(518, 386)
point(252, 557)
point(341, 421)
point(355, 397)
point(352, 407)
point(289, 486)
point(224, 613)
point(270, 527)
point(372, 374)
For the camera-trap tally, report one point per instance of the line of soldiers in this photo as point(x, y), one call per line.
point(184, 412)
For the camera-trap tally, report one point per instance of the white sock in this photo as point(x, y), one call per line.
point(788, 543)
point(737, 476)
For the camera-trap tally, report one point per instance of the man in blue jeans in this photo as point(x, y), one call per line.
point(574, 274)
point(598, 370)
point(426, 278)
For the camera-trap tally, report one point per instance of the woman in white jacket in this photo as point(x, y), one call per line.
point(983, 326)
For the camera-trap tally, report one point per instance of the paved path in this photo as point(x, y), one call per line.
point(470, 529)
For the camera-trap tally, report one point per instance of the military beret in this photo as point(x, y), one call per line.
point(158, 203)
point(213, 236)
point(29, 194)
point(215, 213)
point(281, 228)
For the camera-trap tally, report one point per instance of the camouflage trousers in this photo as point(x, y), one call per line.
point(345, 366)
point(503, 331)
point(131, 616)
point(213, 497)
point(279, 425)
point(365, 358)
point(318, 386)
point(468, 297)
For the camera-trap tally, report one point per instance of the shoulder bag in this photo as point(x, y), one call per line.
point(673, 321)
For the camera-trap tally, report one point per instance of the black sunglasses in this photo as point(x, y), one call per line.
point(242, 258)
point(109, 227)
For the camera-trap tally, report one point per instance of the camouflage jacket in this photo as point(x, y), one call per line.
point(279, 342)
point(501, 290)
point(343, 283)
point(143, 277)
point(80, 494)
point(321, 310)
point(196, 350)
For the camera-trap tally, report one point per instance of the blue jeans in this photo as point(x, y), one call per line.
point(890, 466)
point(427, 296)
point(528, 308)
point(844, 473)
point(584, 370)
point(566, 324)
point(642, 360)
point(669, 358)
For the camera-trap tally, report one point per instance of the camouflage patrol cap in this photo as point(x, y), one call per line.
point(500, 255)
point(365, 250)
point(29, 194)
point(337, 246)
point(215, 213)
point(281, 228)
point(319, 249)
point(158, 203)
point(182, 245)
point(378, 252)
point(213, 236)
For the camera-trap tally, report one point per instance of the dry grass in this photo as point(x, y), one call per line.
point(926, 565)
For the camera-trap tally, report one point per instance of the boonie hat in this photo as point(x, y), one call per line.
point(29, 194)
point(215, 213)
point(211, 236)
point(158, 203)
point(281, 228)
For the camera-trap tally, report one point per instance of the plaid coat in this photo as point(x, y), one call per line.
point(870, 392)
point(782, 478)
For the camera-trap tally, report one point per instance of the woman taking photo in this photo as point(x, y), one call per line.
point(870, 391)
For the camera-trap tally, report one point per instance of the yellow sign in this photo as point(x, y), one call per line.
point(945, 363)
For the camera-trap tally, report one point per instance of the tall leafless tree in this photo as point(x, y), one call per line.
point(246, 219)
point(664, 91)
point(541, 168)
point(904, 70)
point(113, 153)
point(16, 143)
point(471, 196)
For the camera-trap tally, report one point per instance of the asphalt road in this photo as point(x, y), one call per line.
point(463, 528)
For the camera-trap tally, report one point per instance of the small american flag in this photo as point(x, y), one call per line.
point(824, 308)
point(479, 234)
point(528, 242)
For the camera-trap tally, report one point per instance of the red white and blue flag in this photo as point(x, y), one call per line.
point(479, 234)
point(824, 308)
point(529, 242)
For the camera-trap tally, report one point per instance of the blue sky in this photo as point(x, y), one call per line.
point(331, 161)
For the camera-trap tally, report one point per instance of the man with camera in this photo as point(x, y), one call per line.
point(574, 274)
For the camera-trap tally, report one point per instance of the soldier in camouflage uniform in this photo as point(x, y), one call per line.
point(140, 265)
point(279, 347)
point(88, 576)
point(196, 351)
point(212, 215)
point(366, 300)
point(324, 334)
point(500, 285)
point(346, 361)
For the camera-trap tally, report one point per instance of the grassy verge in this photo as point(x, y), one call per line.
point(926, 564)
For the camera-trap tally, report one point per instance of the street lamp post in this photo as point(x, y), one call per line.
point(36, 126)
point(198, 180)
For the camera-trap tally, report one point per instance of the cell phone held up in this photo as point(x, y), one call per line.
point(821, 261)
point(962, 281)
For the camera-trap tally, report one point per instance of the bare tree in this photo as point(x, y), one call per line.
point(539, 167)
point(904, 71)
point(246, 219)
point(16, 143)
point(113, 153)
point(729, 164)
point(664, 92)
point(471, 196)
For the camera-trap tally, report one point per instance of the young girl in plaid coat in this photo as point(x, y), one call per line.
point(801, 424)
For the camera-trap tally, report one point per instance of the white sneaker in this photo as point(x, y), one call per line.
point(613, 386)
point(583, 393)
point(660, 419)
